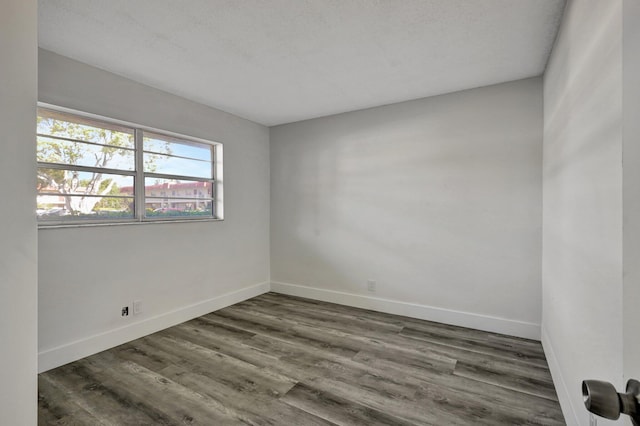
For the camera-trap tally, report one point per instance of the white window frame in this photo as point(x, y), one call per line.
point(139, 175)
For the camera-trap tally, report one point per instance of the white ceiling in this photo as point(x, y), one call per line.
point(279, 61)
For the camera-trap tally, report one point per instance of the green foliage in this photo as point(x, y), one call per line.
point(114, 204)
point(66, 140)
point(86, 143)
point(111, 143)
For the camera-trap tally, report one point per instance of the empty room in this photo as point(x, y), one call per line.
point(320, 212)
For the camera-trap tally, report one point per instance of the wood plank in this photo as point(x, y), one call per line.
point(493, 340)
point(227, 370)
point(220, 330)
point(231, 347)
point(56, 406)
point(519, 382)
point(387, 343)
point(522, 354)
point(142, 386)
point(318, 306)
point(319, 313)
point(486, 395)
point(250, 392)
point(251, 409)
point(292, 334)
point(477, 409)
point(102, 402)
point(338, 410)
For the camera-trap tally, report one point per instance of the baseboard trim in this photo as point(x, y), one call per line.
point(568, 410)
point(413, 310)
point(55, 357)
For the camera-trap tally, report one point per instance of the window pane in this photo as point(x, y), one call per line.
point(182, 208)
point(162, 144)
point(64, 125)
point(67, 208)
point(59, 181)
point(72, 195)
point(51, 150)
point(154, 187)
point(164, 164)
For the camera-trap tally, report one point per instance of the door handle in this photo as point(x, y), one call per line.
point(602, 399)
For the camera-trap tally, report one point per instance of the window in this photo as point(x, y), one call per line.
point(96, 171)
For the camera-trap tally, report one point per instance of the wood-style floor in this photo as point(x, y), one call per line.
point(281, 360)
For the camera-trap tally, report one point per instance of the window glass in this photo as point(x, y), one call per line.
point(165, 156)
point(61, 151)
point(179, 188)
point(182, 208)
point(169, 165)
point(87, 172)
point(172, 156)
point(63, 125)
point(168, 145)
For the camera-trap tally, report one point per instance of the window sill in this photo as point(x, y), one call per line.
point(42, 226)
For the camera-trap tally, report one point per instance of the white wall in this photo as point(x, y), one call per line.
point(178, 271)
point(438, 200)
point(18, 239)
point(631, 178)
point(582, 207)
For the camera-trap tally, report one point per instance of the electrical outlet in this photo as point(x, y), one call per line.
point(125, 311)
point(371, 285)
point(137, 307)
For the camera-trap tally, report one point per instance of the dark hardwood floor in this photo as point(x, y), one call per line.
point(281, 360)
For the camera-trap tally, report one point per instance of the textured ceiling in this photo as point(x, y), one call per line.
point(279, 61)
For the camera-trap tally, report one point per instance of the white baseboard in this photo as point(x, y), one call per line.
point(463, 319)
point(55, 357)
point(568, 410)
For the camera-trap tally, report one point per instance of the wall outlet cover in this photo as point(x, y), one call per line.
point(137, 307)
point(371, 285)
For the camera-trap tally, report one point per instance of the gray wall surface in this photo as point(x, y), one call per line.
point(18, 238)
point(87, 274)
point(631, 179)
point(582, 213)
point(438, 200)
